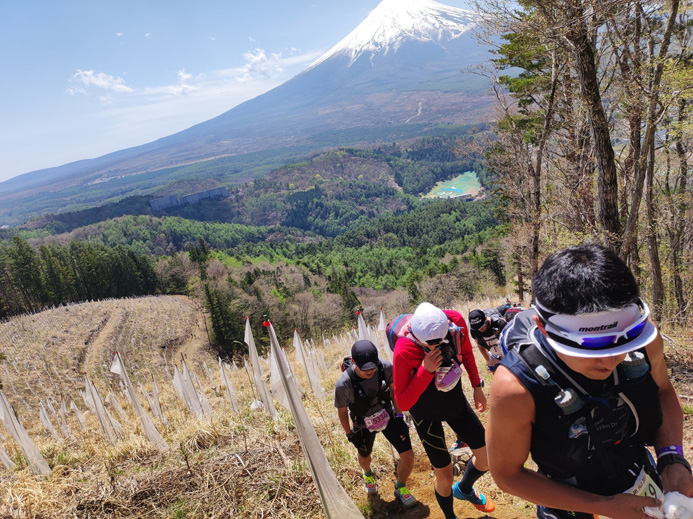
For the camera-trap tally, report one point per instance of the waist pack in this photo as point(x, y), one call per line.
point(448, 377)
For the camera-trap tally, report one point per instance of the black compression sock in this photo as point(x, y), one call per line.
point(471, 474)
point(446, 505)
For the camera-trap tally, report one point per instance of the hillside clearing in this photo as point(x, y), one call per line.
point(232, 465)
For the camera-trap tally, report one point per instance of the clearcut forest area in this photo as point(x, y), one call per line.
point(228, 464)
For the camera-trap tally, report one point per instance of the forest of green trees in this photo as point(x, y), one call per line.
point(31, 280)
point(594, 137)
point(302, 238)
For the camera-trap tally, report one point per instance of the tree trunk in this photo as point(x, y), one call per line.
point(607, 181)
point(652, 242)
point(656, 71)
point(537, 170)
point(520, 278)
point(680, 210)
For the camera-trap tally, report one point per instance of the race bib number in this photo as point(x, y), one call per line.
point(645, 486)
point(377, 422)
point(447, 377)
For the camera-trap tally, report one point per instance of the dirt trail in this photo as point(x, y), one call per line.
point(384, 505)
point(97, 347)
point(198, 340)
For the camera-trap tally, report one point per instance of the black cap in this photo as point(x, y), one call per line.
point(477, 318)
point(365, 355)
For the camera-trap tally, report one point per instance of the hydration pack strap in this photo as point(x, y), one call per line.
point(533, 355)
point(356, 381)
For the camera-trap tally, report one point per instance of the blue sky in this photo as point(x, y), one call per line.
point(82, 78)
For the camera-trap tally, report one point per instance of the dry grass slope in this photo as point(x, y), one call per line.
point(232, 465)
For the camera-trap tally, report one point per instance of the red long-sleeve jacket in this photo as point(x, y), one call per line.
point(411, 379)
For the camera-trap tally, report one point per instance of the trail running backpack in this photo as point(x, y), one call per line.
point(397, 328)
point(493, 313)
point(511, 312)
point(346, 363)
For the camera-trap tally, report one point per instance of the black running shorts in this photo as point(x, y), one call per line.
point(465, 424)
point(396, 432)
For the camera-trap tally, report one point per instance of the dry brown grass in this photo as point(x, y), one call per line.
point(227, 466)
point(231, 465)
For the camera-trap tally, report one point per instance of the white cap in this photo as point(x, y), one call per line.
point(599, 323)
point(429, 323)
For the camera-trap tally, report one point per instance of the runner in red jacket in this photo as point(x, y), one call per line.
point(426, 379)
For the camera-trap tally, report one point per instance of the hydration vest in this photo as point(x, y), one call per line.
point(590, 434)
point(363, 403)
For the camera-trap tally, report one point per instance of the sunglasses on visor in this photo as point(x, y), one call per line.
point(595, 341)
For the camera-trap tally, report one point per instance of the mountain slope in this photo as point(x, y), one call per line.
point(395, 22)
point(401, 66)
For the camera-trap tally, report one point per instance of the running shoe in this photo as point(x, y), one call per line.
point(369, 480)
point(476, 498)
point(458, 444)
point(405, 497)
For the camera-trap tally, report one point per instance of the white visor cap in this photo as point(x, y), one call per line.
point(429, 323)
point(614, 321)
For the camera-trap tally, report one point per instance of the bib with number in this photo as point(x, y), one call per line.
point(377, 422)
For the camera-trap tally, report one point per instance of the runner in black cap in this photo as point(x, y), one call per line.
point(486, 327)
point(365, 392)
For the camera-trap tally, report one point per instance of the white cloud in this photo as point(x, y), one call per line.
point(100, 80)
point(258, 65)
point(184, 76)
point(147, 35)
point(184, 86)
point(176, 90)
point(74, 90)
point(163, 109)
point(119, 34)
point(106, 99)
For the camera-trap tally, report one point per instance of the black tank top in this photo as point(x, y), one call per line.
point(601, 447)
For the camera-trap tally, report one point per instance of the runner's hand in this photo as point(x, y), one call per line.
point(628, 506)
point(479, 399)
point(433, 360)
point(676, 477)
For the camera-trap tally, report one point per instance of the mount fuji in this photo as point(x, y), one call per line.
point(401, 66)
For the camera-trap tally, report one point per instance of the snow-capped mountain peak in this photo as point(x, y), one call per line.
point(393, 22)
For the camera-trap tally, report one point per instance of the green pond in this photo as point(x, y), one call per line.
point(460, 185)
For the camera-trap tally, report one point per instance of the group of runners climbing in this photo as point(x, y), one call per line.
point(579, 383)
